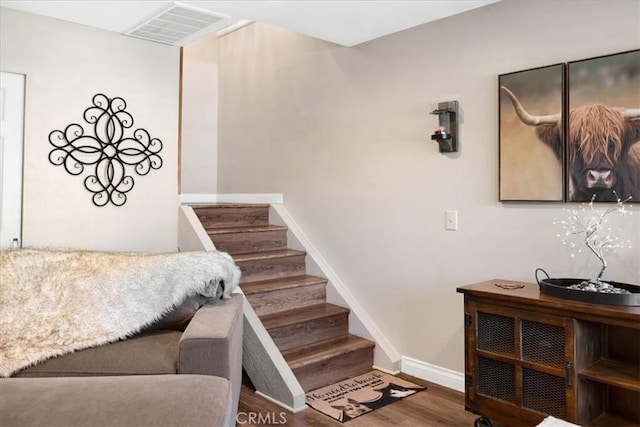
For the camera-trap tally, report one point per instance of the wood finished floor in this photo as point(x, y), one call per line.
point(434, 407)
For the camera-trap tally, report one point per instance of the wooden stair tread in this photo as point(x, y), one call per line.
point(281, 284)
point(245, 229)
point(323, 350)
point(231, 215)
point(254, 256)
point(301, 315)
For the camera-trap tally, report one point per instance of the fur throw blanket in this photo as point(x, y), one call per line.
point(54, 302)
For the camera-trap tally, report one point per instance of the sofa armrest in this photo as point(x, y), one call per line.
point(212, 342)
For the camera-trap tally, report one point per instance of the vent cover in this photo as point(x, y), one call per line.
point(178, 24)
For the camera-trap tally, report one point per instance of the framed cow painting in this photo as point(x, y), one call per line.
point(531, 136)
point(603, 143)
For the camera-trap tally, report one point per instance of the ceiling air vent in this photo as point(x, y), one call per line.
point(178, 24)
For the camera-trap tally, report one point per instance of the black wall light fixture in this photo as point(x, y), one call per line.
point(109, 152)
point(446, 135)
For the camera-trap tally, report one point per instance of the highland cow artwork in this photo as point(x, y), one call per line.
point(594, 135)
point(603, 142)
point(531, 168)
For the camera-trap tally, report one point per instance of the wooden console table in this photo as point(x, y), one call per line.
point(529, 355)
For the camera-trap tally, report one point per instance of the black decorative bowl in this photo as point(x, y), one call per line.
point(558, 288)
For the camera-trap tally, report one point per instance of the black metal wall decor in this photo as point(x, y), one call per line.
point(109, 151)
point(446, 135)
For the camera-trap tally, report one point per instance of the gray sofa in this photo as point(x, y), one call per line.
point(161, 377)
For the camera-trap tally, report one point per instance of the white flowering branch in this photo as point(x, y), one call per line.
point(596, 236)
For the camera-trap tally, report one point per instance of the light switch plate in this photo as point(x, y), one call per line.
point(451, 220)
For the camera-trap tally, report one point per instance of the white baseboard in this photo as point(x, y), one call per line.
point(282, 405)
point(194, 198)
point(385, 370)
point(432, 373)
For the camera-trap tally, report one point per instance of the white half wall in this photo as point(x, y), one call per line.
point(65, 66)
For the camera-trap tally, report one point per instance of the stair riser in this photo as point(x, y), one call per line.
point(287, 299)
point(271, 268)
point(299, 334)
point(217, 217)
point(244, 243)
point(335, 369)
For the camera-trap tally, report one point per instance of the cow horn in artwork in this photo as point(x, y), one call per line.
point(527, 118)
point(629, 113)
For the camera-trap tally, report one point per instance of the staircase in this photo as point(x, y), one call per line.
point(312, 335)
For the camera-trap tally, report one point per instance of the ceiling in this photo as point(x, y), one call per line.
point(345, 22)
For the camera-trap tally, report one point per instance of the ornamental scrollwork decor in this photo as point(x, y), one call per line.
point(109, 152)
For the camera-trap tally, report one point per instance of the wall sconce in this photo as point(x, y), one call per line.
point(446, 135)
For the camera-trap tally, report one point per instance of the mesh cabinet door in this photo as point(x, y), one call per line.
point(520, 362)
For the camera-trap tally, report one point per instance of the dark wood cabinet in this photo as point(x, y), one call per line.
point(530, 355)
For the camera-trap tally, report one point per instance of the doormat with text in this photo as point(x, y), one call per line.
point(356, 396)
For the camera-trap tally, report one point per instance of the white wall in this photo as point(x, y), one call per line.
point(65, 66)
point(344, 134)
point(199, 159)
